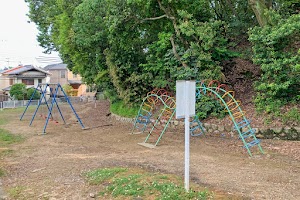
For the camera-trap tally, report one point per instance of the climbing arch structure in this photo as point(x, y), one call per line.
point(156, 112)
point(226, 98)
point(159, 107)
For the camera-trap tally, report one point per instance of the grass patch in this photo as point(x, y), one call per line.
point(119, 108)
point(13, 110)
point(3, 121)
point(292, 116)
point(16, 192)
point(2, 172)
point(98, 176)
point(6, 152)
point(126, 183)
point(12, 113)
point(7, 138)
point(18, 110)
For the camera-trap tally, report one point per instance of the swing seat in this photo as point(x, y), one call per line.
point(151, 146)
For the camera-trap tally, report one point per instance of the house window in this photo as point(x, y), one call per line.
point(74, 75)
point(28, 81)
point(11, 81)
point(40, 80)
point(63, 74)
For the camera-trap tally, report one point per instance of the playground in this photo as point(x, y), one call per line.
point(50, 166)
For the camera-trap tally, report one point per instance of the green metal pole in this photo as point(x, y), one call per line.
point(165, 128)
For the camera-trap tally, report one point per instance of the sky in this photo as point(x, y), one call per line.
point(18, 38)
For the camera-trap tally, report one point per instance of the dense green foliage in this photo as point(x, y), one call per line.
point(208, 106)
point(122, 109)
point(18, 91)
point(30, 92)
point(276, 50)
point(128, 47)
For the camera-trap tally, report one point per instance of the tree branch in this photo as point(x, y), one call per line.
point(165, 10)
point(154, 18)
point(169, 15)
point(175, 52)
point(258, 7)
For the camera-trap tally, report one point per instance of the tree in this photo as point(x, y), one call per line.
point(276, 50)
point(18, 91)
point(129, 47)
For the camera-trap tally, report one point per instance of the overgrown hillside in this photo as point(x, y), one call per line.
point(128, 47)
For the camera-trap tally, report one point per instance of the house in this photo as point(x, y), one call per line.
point(29, 75)
point(62, 75)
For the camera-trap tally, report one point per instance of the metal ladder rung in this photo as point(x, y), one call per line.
point(248, 133)
point(142, 119)
point(242, 124)
point(239, 114)
point(148, 111)
point(252, 143)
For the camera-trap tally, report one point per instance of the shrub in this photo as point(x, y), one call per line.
point(207, 106)
point(18, 91)
point(30, 91)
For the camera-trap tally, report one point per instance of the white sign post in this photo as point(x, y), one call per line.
point(185, 108)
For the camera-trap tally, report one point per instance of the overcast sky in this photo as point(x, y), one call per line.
point(18, 44)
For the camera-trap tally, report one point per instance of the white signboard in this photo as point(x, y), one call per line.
point(185, 108)
point(185, 98)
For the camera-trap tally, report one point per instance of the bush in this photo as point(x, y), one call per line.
point(30, 91)
point(18, 91)
point(207, 106)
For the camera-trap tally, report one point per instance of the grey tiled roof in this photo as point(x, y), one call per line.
point(21, 69)
point(59, 66)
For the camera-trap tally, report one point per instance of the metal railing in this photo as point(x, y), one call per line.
point(16, 104)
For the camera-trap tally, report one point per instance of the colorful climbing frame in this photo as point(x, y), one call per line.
point(226, 97)
point(156, 112)
point(159, 107)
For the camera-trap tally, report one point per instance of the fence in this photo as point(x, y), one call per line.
point(16, 104)
point(3, 97)
point(22, 103)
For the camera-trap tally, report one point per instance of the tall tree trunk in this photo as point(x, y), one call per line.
point(259, 7)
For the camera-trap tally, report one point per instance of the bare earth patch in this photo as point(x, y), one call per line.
point(51, 166)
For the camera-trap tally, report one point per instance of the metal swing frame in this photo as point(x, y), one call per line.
point(53, 101)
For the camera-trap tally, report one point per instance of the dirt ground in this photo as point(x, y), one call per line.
point(50, 166)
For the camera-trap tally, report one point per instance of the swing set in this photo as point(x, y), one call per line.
point(43, 88)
